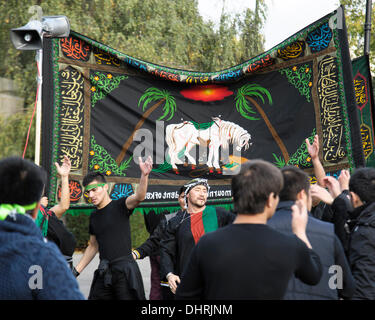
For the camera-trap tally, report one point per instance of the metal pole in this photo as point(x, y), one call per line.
point(38, 124)
point(368, 27)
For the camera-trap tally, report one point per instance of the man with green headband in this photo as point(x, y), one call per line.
point(118, 275)
point(187, 227)
point(30, 267)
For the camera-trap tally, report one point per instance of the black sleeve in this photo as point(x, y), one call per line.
point(191, 286)
point(348, 282)
point(340, 207)
point(168, 247)
point(225, 217)
point(91, 226)
point(309, 268)
point(152, 244)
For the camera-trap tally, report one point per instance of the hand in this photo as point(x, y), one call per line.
point(299, 221)
point(344, 180)
point(64, 169)
point(172, 281)
point(44, 201)
point(313, 149)
point(146, 166)
point(317, 192)
point(333, 186)
point(299, 217)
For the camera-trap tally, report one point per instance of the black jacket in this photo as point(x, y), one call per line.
point(178, 242)
point(359, 235)
point(151, 246)
point(326, 244)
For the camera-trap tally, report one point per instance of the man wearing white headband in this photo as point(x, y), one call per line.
point(187, 227)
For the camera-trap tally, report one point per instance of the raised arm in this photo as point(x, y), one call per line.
point(64, 202)
point(135, 199)
point(313, 151)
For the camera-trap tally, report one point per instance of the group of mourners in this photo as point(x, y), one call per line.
point(284, 239)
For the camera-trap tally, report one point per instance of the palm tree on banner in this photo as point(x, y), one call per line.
point(151, 94)
point(248, 93)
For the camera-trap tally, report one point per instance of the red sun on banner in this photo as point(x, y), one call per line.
point(207, 93)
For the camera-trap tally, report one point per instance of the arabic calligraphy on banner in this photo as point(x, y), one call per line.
point(330, 111)
point(71, 116)
point(75, 49)
point(104, 58)
point(292, 51)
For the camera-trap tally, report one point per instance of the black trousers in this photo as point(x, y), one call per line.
point(117, 290)
point(119, 279)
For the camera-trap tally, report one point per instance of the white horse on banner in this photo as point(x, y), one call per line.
point(220, 134)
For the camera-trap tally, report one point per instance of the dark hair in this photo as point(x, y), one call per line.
point(362, 182)
point(295, 180)
point(182, 189)
point(91, 176)
point(21, 181)
point(254, 184)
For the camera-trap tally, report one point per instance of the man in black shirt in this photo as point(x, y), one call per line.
point(118, 275)
point(248, 259)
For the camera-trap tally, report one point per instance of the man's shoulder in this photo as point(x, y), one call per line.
point(318, 226)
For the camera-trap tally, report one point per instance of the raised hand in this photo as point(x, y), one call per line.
point(344, 179)
point(313, 149)
point(65, 167)
point(146, 166)
point(299, 221)
point(333, 186)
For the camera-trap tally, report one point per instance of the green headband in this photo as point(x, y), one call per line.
point(92, 186)
point(5, 209)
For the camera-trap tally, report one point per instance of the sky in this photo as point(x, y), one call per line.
point(284, 18)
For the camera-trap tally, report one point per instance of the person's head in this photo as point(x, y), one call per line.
point(96, 188)
point(362, 186)
point(21, 183)
point(256, 188)
point(181, 197)
point(196, 193)
point(296, 186)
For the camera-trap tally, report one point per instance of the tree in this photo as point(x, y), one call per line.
point(355, 14)
point(151, 94)
point(247, 93)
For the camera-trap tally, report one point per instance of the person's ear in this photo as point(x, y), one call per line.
point(301, 195)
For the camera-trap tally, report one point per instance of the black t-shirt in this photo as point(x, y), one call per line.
point(247, 261)
point(110, 225)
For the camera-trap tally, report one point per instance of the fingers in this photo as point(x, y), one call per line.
point(307, 142)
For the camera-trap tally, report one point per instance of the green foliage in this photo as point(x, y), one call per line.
point(154, 94)
point(355, 17)
point(79, 226)
point(138, 230)
point(251, 90)
point(13, 133)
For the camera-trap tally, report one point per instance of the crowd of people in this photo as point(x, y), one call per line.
point(284, 239)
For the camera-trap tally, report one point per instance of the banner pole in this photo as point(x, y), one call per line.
point(39, 59)
point(367, 27)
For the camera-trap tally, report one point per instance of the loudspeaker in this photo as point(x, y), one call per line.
point(56, 26)
point(28, 37)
